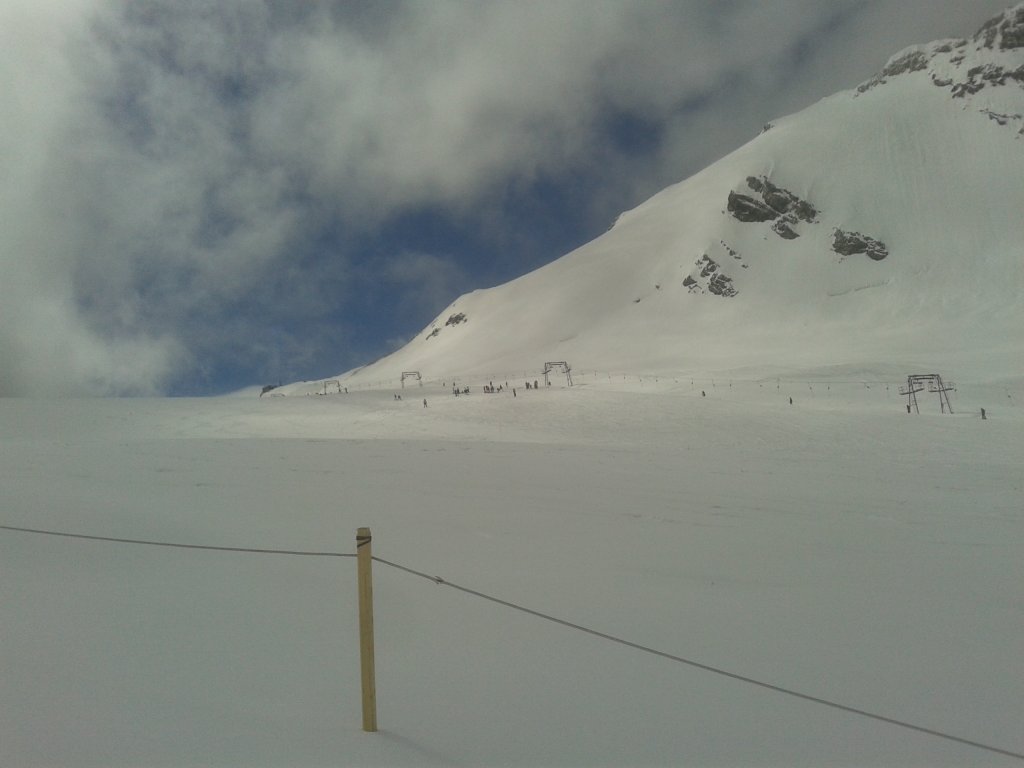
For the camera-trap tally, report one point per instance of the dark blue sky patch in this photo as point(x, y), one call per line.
point(632, 134)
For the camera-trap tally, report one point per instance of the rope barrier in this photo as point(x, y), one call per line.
point(707, 667)
point(178, 546)
point(555, 620)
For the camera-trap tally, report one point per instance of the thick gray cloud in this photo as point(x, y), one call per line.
point(191, 186)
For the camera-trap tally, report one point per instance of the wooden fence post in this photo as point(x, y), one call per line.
point(364, 558)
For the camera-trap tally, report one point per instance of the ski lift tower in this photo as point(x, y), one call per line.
point(560, 365)
point(933, 383)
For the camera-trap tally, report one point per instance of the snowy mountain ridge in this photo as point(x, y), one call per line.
point(967, 66)
point(878, 228)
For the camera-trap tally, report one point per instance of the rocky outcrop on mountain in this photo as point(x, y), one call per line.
point(1005, 32)
point(1000, 118)
point(707, 277)
point(912, 61)
point(944, 60)
point(453, 320)
point(775, 204)
point(980, 77)
point(720, 285)
point(851, 243)
point(784, 229)
point(735, 254)
point(782, 200)
point(746, 209)
point(785, 210)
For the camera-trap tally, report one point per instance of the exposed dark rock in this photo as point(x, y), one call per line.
point(805, 211)
point(963, 89)
point(986, 35)
point(1004, 32)
point(1000, 118)
point(716, 282)
point(1013, 31)
point(782, 200)
point(777, 201)
point(747, 209)
point(456, 319)
point(1007, 28)
point(912, 61)
point(432, 334)
point(784, 229)
point(851, 243)
point(709, 266)
point(989, 74)
point(720, 285)
point(776, 204)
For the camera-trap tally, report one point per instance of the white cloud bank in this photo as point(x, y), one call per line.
point(169, 169)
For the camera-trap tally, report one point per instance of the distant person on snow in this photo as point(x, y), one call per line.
point(424, 402)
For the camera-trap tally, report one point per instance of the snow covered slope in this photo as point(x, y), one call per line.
point(881, 228)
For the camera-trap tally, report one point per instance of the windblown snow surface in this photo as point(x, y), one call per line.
point(836, 546)
point(732, 479)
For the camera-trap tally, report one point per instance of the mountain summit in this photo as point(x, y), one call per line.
point(880, 229)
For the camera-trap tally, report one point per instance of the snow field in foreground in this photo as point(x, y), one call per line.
point(837, 547)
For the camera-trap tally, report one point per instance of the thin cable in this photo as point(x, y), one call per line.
point(178, 546)
point(708, 668)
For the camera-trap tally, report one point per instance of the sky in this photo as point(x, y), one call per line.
point(197, 197)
